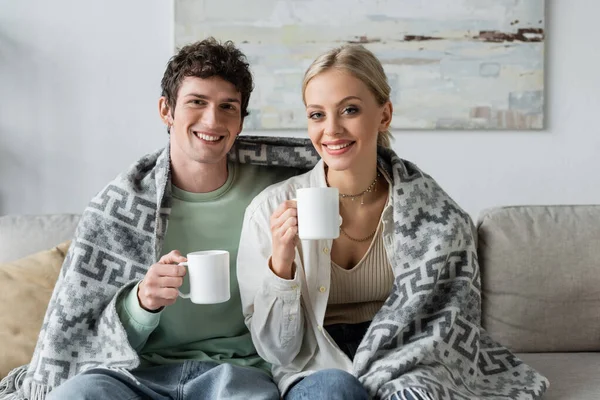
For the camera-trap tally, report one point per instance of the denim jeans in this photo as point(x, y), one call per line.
point(188, 380)
point(328, 384)
point(349, 336)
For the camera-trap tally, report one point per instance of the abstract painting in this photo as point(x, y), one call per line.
point(452, 64)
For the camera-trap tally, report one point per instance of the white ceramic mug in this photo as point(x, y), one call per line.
point(208, 274)
point(318, 213)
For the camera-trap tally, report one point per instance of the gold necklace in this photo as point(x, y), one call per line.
point(369, 189)
point(358, 240)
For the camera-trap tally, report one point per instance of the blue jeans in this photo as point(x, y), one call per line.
point(348, 337)
point(188, 380)
point(328, 384)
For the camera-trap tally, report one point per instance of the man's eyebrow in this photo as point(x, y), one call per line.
point(204, 97)
point(338, 103)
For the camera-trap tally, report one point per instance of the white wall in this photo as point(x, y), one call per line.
point(79, 86)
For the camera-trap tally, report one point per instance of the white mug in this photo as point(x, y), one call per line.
point(208, 273)
point(318, 213)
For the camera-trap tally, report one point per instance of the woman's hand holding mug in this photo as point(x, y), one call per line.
point(284, 228)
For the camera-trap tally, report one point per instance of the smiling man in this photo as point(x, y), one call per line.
point(115, 328)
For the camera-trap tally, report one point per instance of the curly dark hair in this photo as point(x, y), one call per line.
point(205, 59)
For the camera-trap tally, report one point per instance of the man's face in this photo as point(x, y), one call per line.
point(206, 120)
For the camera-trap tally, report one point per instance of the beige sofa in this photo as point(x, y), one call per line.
point(32, 249)
point(540, 273)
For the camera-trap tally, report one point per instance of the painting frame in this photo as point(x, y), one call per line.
point(452, 65)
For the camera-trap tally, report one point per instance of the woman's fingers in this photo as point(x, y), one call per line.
point(278, 221)
point(290, 223)
point(283, 207)
point(290, 234)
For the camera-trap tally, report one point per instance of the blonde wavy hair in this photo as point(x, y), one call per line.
point(361, 63)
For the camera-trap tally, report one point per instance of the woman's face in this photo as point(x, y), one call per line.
point(344, 120)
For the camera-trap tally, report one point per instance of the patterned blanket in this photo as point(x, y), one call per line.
point(119, 236)
point(428, 335)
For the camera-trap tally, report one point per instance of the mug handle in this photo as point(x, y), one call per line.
point(184, 295)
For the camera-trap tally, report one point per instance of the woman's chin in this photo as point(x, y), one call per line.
point(337, 165)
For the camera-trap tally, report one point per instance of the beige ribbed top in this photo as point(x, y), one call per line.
point(357, 294)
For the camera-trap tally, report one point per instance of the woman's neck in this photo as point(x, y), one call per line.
point(352, 181)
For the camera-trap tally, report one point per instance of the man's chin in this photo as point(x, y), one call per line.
point(208, 157)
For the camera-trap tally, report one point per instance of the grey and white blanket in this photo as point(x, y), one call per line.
point(119, 236)
point(428, 334)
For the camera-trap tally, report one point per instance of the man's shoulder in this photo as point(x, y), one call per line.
point(140, 179)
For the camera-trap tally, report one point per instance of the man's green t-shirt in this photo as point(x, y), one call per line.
point(188, 331)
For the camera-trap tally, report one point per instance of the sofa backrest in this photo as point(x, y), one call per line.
point(540, 274)
point(22, 235)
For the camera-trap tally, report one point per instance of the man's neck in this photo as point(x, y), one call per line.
point(197, 177)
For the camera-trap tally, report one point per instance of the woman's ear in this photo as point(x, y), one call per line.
point(386, 116)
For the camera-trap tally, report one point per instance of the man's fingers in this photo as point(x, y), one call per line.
point(166, 293)
point(156, 295)
point(169, 282)
point(152, 295)
point(169, 270)
point(174, 257)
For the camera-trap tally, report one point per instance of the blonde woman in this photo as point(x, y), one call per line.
point(394, 302)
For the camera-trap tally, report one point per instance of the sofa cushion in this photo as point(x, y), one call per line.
point(22, 235)
point(540, 274)
point(25, 289)
point(572, 376)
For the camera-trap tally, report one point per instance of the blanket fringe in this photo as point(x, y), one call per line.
point(39, 392)
point(12, 383)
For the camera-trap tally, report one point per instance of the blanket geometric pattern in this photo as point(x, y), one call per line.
point(428, 333)
point(118, 238)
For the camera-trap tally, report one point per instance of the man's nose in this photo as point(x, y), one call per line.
point(210, 117)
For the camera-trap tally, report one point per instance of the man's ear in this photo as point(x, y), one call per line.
point(386, 116)
point(241, 127)
point(165, 111)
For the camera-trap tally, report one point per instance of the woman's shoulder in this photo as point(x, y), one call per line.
point(415, 190)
